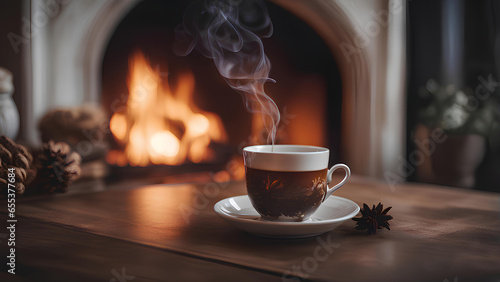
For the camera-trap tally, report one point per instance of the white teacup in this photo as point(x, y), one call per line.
point(289, 182)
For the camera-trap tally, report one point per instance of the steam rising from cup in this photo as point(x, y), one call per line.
point(229, 32)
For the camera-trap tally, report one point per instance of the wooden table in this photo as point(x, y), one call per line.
point(131, 232)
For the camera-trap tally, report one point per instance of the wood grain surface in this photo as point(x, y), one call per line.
point(47, 252)
point(438, 233)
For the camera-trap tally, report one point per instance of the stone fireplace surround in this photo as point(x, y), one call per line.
point(367, 39)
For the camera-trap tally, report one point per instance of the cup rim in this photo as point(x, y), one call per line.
point(314, 149)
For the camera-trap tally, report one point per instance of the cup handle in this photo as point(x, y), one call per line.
point(338, 185)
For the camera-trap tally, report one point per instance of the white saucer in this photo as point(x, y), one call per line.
point(239, 212)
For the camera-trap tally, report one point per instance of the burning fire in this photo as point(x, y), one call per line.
point(162, 125)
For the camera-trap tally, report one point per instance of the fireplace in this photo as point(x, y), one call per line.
point(182, 109)
point(84, 55)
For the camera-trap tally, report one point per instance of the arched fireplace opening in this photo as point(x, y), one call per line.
point(307, 90)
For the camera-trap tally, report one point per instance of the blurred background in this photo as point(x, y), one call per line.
point(398, 90)
point(453, 52)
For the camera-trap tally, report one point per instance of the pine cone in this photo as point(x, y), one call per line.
point(71, 125)
point(58, 167)
point(87, 123)
point(15, 156)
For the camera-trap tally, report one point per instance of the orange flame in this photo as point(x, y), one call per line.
point(161, 126)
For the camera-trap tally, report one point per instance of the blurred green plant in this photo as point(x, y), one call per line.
point(460, 111)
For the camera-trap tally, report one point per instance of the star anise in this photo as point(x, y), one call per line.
point(373, 219)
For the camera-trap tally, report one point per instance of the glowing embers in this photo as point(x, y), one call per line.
point(161, 125)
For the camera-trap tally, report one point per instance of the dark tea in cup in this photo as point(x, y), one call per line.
point(288, 182)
